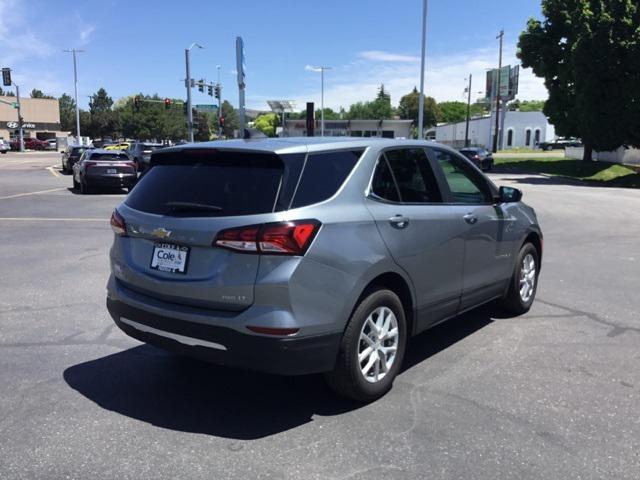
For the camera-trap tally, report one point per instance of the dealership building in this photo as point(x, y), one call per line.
point(351, 128)
point(517, 130)
point(41, 119)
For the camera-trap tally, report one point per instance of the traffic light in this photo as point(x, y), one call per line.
point(217, 89)
point(184, 108)
point(136, 102)
point(167, 103)
point(201, 86)
point(6, 77)
point(222, 122)
point(210, 90)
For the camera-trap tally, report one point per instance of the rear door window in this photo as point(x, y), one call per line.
point(413, 176)
point(323, 174)
point(238, 183)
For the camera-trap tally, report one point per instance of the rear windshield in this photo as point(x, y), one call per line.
point(151, 147)
point(236, 182)
point(77, 150)
point(109, 156)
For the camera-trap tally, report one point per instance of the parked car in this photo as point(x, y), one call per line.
point(118, 146)
point(104, 168)
point(52, 144)
point(141, 153)
point(4, 146)
point(296, 256)
point(29, 144)
point(481, 157)
point(560, 144)
point(71, 155)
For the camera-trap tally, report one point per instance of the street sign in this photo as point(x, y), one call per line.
point(206, 108)
point(504, 81)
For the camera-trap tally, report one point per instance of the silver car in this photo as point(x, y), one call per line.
point(305, 255)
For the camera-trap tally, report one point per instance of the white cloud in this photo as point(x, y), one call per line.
point(85, 33)
point(380, 56)
point(311, 68)
point(445, 77)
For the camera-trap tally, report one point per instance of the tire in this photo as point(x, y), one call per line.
point(347, 379)
point(514, 301)
point(76, 185)
point(549, 148)
point(84, 188)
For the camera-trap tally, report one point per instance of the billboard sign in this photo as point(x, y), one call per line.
point(508, 83)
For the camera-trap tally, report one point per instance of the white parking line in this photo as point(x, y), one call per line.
point(33, 193)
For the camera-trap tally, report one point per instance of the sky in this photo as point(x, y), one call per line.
point(138, 46)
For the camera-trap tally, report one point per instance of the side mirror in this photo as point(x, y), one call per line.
point(509, 195)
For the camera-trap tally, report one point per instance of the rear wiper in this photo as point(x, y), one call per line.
point(192, 207)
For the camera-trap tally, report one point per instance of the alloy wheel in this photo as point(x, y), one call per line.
point(527, 277)
point(378, 344)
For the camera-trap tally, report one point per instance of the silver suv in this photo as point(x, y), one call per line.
point(296, 256)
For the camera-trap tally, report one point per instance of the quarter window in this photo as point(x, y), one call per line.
point(465, 183)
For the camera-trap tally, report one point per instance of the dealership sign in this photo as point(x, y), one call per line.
point(34, 125)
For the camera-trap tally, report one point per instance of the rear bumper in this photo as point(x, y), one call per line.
point(227, 346)
point(117, 180)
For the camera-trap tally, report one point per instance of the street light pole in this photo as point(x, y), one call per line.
point(495, 136)
point(466, 133)
point(321, 69)
point(75, 86)
point(187, 83)
point(424, 46)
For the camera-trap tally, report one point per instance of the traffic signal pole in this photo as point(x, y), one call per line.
point(188, 85)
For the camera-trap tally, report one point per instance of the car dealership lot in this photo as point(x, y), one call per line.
point(553, 394)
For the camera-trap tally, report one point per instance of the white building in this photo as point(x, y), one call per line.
point(521, 129)
point(352, 128)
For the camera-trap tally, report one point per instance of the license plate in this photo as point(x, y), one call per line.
point(111, 170)
point(169, 258)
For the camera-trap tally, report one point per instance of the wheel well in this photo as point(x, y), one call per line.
point(397, 285)
point(535, 240)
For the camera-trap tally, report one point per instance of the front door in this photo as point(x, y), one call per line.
point(423, 237)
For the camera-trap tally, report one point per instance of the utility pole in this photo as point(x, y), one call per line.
point(219, 103)
point(188, 84)
point(466, 132)
point(241, 83)
point(75, 87)
point(20, 119)
point(422, 61)
point(497, 87)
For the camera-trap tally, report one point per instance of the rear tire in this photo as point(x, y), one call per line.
point(84, 188)
point(76, 185)
point(524, 282)
point(369, 345)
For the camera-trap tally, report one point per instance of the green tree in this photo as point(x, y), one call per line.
point(104, 120)
point(450, 112)
point(35, 93)
point(588, 52)
point(267, 123)
point(526, 105)
point(151, 121)
point(67, 108)
point(231, 121)
point(408, 108)
point(202, 132)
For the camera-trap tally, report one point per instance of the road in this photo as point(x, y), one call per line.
point(554, 394)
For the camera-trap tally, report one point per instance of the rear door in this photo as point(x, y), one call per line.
point(178, 208)
point(487, 262)
point(423, 236)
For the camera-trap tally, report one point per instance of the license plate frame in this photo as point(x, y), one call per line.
point(111, 171)
point(170, 264)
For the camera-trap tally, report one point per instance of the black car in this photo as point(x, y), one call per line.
point(481, 157)
point(560, 144)
point(141, 153)
point(104, 168)
point(70, 156)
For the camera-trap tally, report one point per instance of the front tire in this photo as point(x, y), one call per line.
point(372, 348)
point(524, 282)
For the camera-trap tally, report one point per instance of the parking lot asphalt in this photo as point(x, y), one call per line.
point(552, 394)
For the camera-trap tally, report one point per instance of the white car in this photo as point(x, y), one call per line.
point(4, 146)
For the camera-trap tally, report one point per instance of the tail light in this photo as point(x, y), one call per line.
point(476, 157)
point(89, 164)
point(118, 224)
point(280, 238)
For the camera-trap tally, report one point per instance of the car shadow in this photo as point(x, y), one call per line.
point(187, 395)
point(96, 191)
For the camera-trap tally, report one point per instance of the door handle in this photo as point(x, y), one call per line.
point(399, 221)
point(470, 218)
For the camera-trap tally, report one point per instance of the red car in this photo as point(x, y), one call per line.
point(30, 144)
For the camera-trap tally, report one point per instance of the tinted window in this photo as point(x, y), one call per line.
point(383, 185)
point(239, 183)
point(413, 175)
point(77, 150)
point(465, 183)
point(323, 175)
point(108, 156)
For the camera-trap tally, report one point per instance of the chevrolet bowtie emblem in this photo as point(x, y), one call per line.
point(161, 232)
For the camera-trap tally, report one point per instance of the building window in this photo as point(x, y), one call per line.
point(527, 140)
point(356, 133)
point(536, 137)
point(510, 137)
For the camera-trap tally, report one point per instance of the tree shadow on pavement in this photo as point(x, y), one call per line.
point(187, 395)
